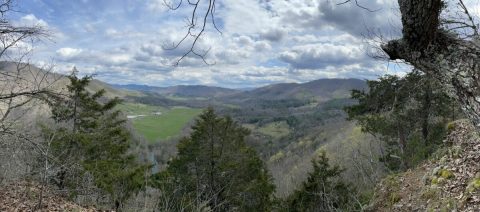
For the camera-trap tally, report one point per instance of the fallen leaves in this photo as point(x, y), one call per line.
point(25, 196)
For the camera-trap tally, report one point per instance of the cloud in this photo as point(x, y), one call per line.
point(318, 56)
point(158, 5)
point(262, 41)
point(94, 58)
point(32, 20)
point(274, 35)
point(68, 53)
point(357, 21)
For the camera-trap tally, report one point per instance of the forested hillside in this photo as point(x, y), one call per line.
point(286, 133)
point(243, 106)
point(357, 134)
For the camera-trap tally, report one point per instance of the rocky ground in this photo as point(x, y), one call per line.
point(25, 196)
point(450, 181)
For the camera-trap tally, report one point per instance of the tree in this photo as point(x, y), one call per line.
point(22, 88)
point(323, 190)
point(20, 84)
point(215, 167)
point(90, 140)
point(440, 52)
point(409, 114)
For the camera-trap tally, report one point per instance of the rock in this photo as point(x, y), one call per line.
point(441, 180)
point(426, 179)
point(436, 169)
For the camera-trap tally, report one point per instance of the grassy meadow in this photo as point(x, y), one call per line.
point(158, 123)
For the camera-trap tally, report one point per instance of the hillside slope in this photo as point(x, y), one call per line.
point(181, 90)
point(30, 76)
point(320, 90)
point(450, 181)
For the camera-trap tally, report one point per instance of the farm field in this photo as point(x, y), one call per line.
point(158, 123)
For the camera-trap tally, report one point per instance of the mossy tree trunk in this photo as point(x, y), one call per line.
point(441, 54)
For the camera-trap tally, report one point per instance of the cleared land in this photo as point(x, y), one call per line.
point(158, 123)
point(275, 129)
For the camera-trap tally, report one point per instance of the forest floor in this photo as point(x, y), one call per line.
point(25, 196)
point(449, 181)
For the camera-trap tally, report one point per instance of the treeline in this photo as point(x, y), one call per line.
point(87, 155)
point(216, 171)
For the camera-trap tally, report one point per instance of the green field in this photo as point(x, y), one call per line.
point(158, 127)
point(275, 129)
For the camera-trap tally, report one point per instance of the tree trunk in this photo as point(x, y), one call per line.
point(427, 103)
point(443, 55)
point(402, 143)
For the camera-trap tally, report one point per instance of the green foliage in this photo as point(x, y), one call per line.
point(90, 139)
point(408, 114)
point(214, 168)
point(323, 190)
point(446, 174)
point(474, 185)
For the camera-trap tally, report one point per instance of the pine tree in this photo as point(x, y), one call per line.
point(323, 190)
point(90, 139)
point(214, 167)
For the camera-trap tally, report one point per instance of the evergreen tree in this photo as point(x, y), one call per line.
point(90, 139)
point(408, 113)
point(323, 190)
point(214, 167)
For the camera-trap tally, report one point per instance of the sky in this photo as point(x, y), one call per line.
point(261, 41)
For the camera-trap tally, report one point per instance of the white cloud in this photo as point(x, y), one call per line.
point(158, 5)
point(32, 20)
point(317, 56)
point(262, 41)
point(68, 53)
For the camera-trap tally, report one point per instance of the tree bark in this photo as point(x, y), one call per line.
point(441, 54)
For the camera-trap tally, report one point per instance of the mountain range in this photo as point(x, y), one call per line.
point(322, 89)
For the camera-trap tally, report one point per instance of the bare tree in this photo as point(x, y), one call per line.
point(20, 84)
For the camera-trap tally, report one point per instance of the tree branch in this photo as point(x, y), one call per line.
point(192, 25)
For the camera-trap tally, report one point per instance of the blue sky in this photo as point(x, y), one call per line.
point(262, 41)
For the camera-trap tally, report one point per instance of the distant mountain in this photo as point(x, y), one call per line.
point(182, 90)
point(321, 90)
point(110, 91)
point(32, 75)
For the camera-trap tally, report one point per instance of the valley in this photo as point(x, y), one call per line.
point(288, 126)
point(269, 110)
point(215, 106)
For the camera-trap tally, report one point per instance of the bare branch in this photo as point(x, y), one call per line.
point(195, 30)
point(358, 5)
